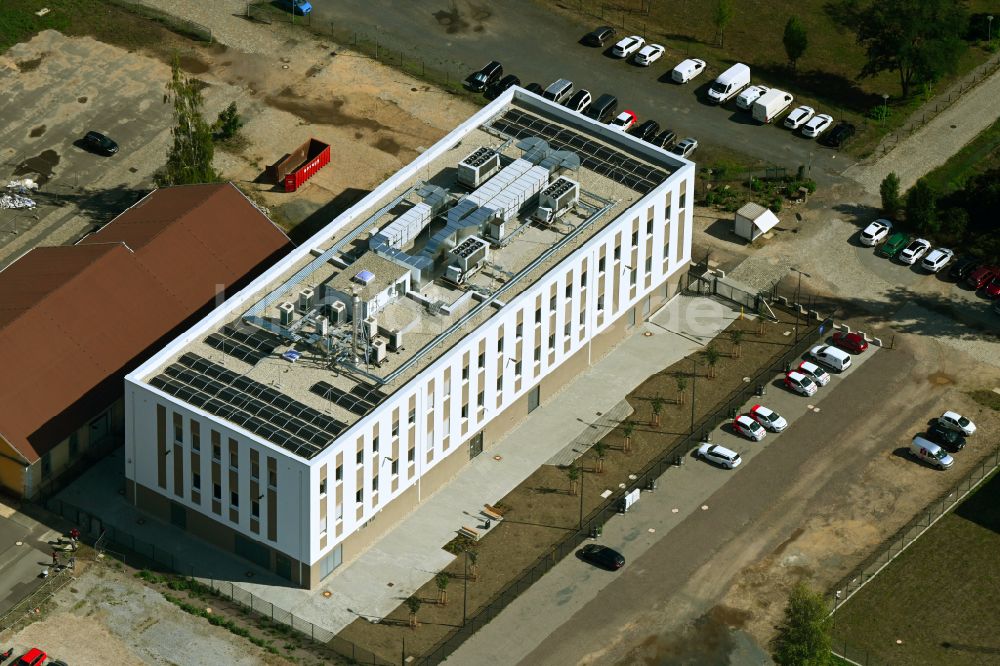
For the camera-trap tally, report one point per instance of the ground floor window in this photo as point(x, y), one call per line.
point(332, 560)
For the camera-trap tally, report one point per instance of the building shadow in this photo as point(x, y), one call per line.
point(326, 214)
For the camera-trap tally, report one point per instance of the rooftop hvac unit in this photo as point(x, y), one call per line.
point(380, 348)
point(306, 297)
point(369, 328)
point(470, 253)
point(478, 166)
point(338, 313)
point(286, 312)
point(561, 195)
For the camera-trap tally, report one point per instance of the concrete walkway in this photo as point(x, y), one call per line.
point(410, 554)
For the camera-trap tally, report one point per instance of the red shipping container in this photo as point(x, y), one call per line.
point(301, 164)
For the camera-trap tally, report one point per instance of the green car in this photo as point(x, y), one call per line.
point(896, 242)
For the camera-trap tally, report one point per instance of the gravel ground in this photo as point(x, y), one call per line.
point(229, 26)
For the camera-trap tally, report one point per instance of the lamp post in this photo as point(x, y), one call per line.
point(989, 28)
point(798, 293)
point(581, 496)
point(465, 587)
point(694, 377)
point(885, 107)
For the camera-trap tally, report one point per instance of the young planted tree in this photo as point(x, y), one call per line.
point(803, 637)
point(736, 335)
point(682, 384)
point(573, 474)
point(892, 200)
point(627, 429)
point(600, 450)
point(722, 17)
point(441, 580)
point(712, 356)
point(189, 159)
point(473, 563)
point(413, 604)
point(656, 404)
point(796, 40)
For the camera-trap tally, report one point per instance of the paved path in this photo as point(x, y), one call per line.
point(932, 145)
point(411, 554)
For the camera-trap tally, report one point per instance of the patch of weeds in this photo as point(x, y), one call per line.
point(80, 604)
point(986, 398)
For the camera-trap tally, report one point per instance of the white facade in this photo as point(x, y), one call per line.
point(430, 417)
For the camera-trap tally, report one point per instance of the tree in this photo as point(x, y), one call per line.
point(795, 39)
point(711, 357)
point(682, 384)
point(189, 159)
point(600, 450)
point(803, 637)
point(723, 15)
point(413, 604)
point(441, 580)
point(920, 40)
point(473, 555)
point(657, 405)
point(921, 208)
point(627, 429)
point(228, 124)
point(736, 335)
point(892, 201)
point(573, 474)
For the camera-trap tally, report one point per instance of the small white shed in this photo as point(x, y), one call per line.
point(753, 220)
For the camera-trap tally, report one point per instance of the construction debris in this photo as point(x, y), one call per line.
point(16, 201)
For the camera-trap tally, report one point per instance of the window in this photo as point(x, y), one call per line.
point(649, 226)
point(500, 383)
point(394, 468)
point(465, 372)
point(339, 513)
point(74, 445)
point(538, 315)
point(481, 399)
point(338, 475)
point(482, 359)
point(322, 486)
point(196, 480)
point(499, 345)
point(375, 444)
point(600, 303)
point(517, 368)
point(666, 249)
point(413, 416)
point(395, 429)
point(375, 484)
point(234, 499)
point(255, 509)
point(552, 302)
point(216, 452)
point(552, 341)
point(618, 252)
point(178, 430)
point(272, 478)
point(195, 436)
point(234, 455)
point(216, 491)
point(583, 317)
point(649, 264)
point(633, 276)
point(601, 264)
point(411, 455)
point(567, 329)
point(360, 458)
point(583, 279)
point(519, 331)
point(465, 411)
point(538, 353)
point(683, 197)
point(254, 468)
point(569, 290)
point(358, 496)
point(635, 238)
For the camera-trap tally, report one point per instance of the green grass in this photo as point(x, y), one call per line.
point(940, 597)
point(986, 398)
point(981, 154)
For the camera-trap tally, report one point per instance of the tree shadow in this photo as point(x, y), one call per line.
point(99, 207)
point(983, 507)
point(833, 89)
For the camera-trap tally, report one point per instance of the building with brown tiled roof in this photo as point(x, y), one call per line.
point(75, 319)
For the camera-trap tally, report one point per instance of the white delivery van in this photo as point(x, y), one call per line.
point(769, 105)
point(729, 84)
point(832, 357)
point(687, 70)
point(931, 453)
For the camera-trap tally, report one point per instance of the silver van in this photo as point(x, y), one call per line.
point(559, 91)
point(831, 357)
point(931, 453)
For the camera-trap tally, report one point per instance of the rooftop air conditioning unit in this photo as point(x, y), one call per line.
point(478, 166)
point(286, 313)
point(370, 327)
point(561, 195)
point(306, 298)
point(338, 313)
point(322, 326)
point(380, 348)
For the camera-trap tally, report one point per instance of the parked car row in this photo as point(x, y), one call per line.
point(490, 80)
point(947, 433)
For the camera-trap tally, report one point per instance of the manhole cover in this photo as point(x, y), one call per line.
point(328, 593)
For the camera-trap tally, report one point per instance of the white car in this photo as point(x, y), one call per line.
point(623, 121)
point(875, 232)
point(817, 126)
point(649, 54)
point(937, 258)
point(914, 250)
point(768, 418)
point(746, 98)
point(749, 428)
point(815, 372)
point(685, 147)
point(627, 46)
point(798, 116)
point(719, 455)
point(800, 383)
point(687, 70)
point(956, 421)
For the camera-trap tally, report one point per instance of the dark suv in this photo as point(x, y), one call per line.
point(946, 437)
point(498, 88)
point(961, 269)
point(647, 130)
point(599, 36)
point(491, 73)
point(838, 136)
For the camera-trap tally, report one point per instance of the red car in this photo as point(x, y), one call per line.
point(852, 342)
point(33, 657)
point(979, 277)
point(993, 287)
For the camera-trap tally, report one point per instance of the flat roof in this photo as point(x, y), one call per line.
point(237, 365)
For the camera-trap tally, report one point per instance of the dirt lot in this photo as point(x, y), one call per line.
point(107, 616)
point(542, 509)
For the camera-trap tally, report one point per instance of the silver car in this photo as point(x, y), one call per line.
point(719, 455)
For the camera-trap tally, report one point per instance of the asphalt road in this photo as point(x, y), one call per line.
point(540, 46)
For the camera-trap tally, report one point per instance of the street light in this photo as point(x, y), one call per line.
point(885, 107)
point(989, 28)
point(798, 293)
point(694, 377)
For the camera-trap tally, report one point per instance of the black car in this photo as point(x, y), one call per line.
point(838, 136)
point(602, 556)
point(500, 86)
point(599, 36)
point(646, 130)
point(603, 108)
point(961, 268)
point(99, 143)
point(664, 139)
point(535, 88)
point(487, 76)
point(946, 437)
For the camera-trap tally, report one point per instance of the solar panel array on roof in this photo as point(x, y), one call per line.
point(596, 156)
point(249, 346)
point(260, 409)
point(356, 404)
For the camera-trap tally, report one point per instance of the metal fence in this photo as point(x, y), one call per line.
point(139, 553)
point(45, 591)
point(647, 479)
point(181, 26)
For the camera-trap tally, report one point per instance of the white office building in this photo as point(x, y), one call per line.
point(315, 408)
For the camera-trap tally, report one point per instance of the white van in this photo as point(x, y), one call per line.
point(831, 357)
point(750, 95)
point(770, 105)
point(729, 84)
point(931, 453)
point(687, 70)
point(559, 91)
